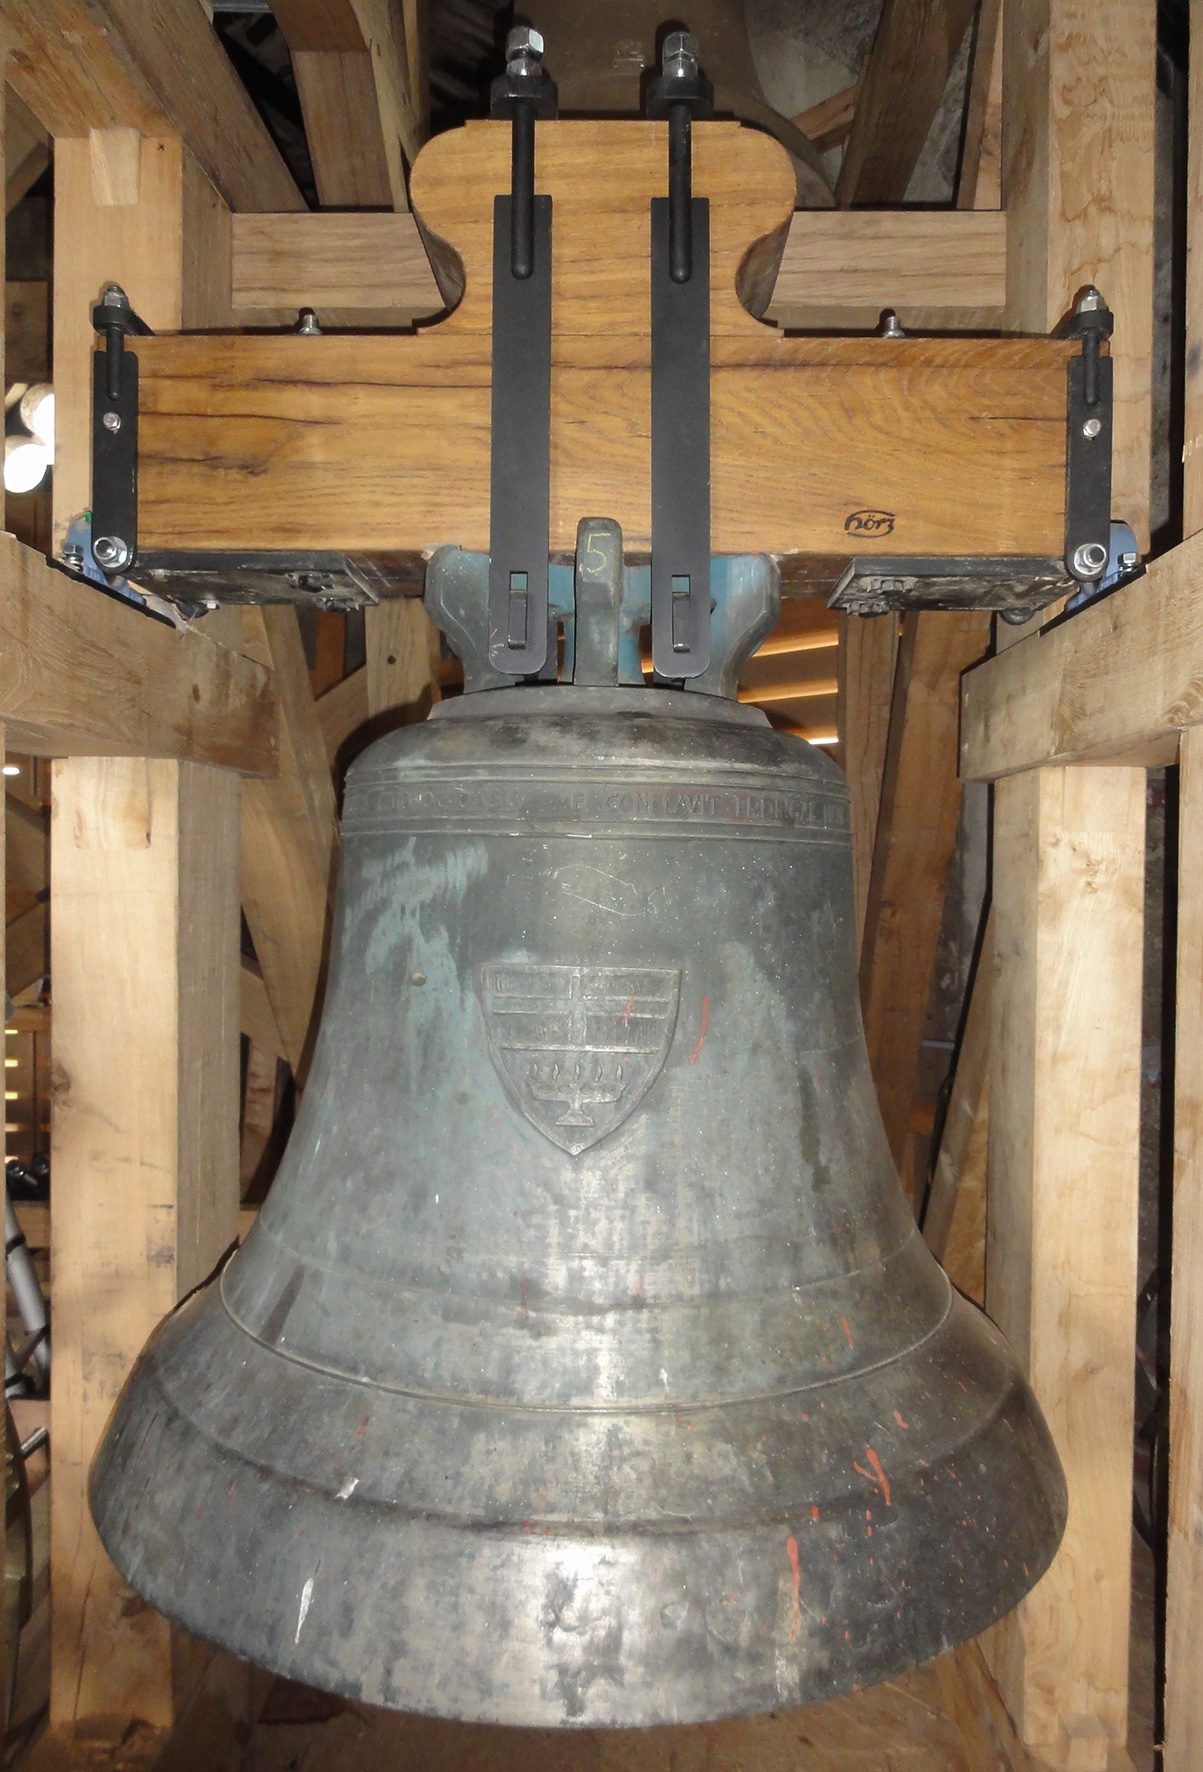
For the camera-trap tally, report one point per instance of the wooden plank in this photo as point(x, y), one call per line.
point(979, 176)
point(934, 267)
point(913, 50)
point(1078, 193)
point(402, 657)
point(1184, 1552)
point(912, 854)
point(342, 711)
point(351, 268)
point(954, 1221)
point(363, 119)
point(289, 841)
point(947, 445)
point(26, 947)
point(826, 124)
point(1061, 1253)
point(27, 330)
point(1116, 683)
point(81, 65)
point(144, 1151)
point(257, 1019)
point(866, 660)
point(258, 1113)
point(1183, 1690)
point(26, 151)
point(82, 675)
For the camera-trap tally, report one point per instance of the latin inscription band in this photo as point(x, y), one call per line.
point(591, 807)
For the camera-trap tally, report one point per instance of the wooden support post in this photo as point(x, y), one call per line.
point(912, 855)
point(144, 871)
point(1061, 1248)
point(289, 839)
point(402, 658)
point(1184, 1551)
point(954, 1222)
point(1079, 89)
point(868, 652)
point(1184, 1548)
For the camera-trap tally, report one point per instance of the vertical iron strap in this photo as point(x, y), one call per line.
point(680, 447)
point(520, 451)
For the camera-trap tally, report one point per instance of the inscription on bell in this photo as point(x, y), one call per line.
point(578, 1047)
point(482, 803)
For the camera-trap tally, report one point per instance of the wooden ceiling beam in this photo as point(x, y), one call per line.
point(359, 68)
point(913, 51)
point(159, 69)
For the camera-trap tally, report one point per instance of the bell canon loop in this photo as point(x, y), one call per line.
point(585, 1365)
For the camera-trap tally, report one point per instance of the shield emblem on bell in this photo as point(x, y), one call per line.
point(578, 1047)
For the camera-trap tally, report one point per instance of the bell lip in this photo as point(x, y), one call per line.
point(151, 1436)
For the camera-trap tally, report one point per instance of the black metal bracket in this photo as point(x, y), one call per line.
point(1088, 426)
point(115, 434)
point(680, 288)
point(520, 444)
point(1015, 586)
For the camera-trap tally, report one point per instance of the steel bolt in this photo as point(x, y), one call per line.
point(307, 326)
point(679, 60)
point(523, 50)
point(114, 296)
point(1092, 427)
point(111, 421)
point(73, 554)
point(890, 327)
point(110, 552)
point(1089, 559)
point(1090, 301)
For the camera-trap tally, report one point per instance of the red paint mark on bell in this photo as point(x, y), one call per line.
point(791, 1550)
point(862, 1472)
point(522, 1289)
point(363, 1428)
point(803, 1416)
point(639, 1286)
point(814, 1513)
point(697, 1051)
point(899, 1420)
point(626, 1014)
point(847, 1331)
point(882, 1480)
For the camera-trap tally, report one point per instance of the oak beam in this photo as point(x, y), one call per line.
point(868, 653)
point(1184, 1551)
point(361, 92)
point(1079, 85)
point(912, 855)
point(144, 873)
point(940, 268)
point(81, 675)
point(1116, 682)
point(159, 69)
point(1065, 1043)
point(913, 52)
point(290, 841)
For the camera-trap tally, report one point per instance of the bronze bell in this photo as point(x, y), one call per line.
point(585, 1365)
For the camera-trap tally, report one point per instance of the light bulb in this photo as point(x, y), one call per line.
point(37, 413)
point(25, 462)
